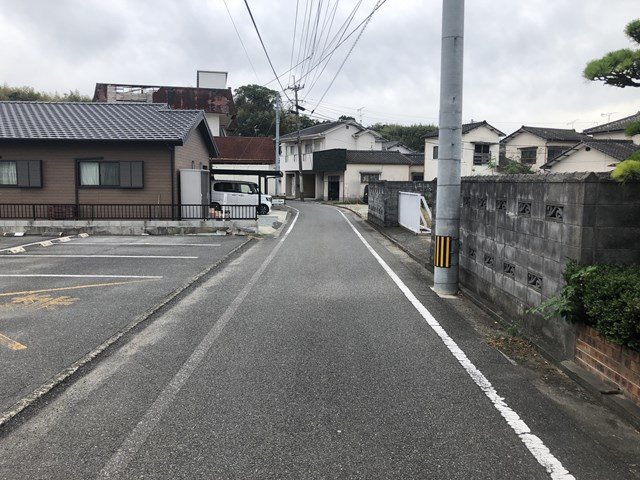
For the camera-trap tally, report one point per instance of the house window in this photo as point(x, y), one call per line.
point(110, 174)
point(417, 177)
point(435, 152)
point(8, 173)
point(528, 155)
point(369, 177)
point(481, 154)
point(307, 148)
point(21, 173)
point(553, 152)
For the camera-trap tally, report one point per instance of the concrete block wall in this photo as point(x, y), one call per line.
point(383, 199)
point(519, 231)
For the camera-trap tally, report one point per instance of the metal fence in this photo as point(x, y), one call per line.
point(61, 211)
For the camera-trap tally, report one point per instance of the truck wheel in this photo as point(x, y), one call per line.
point(263, 209)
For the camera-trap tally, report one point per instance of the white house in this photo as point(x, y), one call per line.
point(395, 146)
point(346, 173)
point(346, 135)
point(480, 149)
point(537, 146)
point(615, 130)
point(592, 155)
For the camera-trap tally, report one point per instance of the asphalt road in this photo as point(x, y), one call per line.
point(59, 302)
point(309, 357)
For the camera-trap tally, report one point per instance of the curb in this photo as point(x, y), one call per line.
point(95, 354)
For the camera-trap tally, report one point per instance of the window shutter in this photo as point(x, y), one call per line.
point(137, 175)
point(23, 173)
point(125, 174)
point(35, 173)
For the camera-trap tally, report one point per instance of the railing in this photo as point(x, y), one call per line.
point(83, 211)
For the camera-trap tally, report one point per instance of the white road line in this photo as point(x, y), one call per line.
point(538, 449)
point(136, 438)
point(143, 244)
point(61, 275)
point(47, 255)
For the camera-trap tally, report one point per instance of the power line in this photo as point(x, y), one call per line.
point(240, 38)
point(377, 5)
point(265, 50)
point(293, 43)
point(345, 38)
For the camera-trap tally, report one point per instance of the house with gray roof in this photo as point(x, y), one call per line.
point(347, 173)
point(592, 155)
point(480, 150)
point(536, 146)
point(347, 135)
point(98, 153)
point(615, 130)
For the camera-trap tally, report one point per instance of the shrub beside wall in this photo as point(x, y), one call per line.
point(604, 297)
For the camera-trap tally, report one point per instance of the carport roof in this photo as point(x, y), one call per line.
point(76, 121)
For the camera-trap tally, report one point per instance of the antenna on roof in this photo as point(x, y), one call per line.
point(608, 115)
point(573, 124)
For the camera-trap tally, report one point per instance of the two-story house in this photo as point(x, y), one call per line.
point(615, 130)
point(537, 146)
point(480, 150)
point(601, 151)
point(348, 135)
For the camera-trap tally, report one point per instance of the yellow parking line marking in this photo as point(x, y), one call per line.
point(77, 287)
point(12, 344)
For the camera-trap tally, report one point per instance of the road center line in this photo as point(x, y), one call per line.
point(538, 449)
point(62, 275)
point(136, 438)
point(47, 255)
point(11, 344)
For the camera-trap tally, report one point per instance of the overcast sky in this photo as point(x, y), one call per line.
point(523, 60)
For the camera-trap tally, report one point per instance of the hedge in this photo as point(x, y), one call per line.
point(606, 297)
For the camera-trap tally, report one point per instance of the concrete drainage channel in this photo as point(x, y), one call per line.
point(73, 371)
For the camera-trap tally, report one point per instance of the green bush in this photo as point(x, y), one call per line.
point(606, 297)
point(627, 170)
point(512, 167)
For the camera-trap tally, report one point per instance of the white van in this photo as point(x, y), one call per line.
point(234, 192)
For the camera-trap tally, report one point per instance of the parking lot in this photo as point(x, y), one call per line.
point(61, 300)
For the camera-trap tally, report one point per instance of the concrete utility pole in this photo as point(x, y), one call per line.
point(277, 180)
point(299, 180)
point(449, 150)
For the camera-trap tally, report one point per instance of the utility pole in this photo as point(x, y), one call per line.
point(360, 115)
point(299, 181)
point(277, 180)
point(446, 248)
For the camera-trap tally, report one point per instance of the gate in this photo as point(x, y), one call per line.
point(413, 212)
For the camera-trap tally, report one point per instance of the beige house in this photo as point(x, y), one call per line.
point(346, 135)
point(480, 150)
point(592, 156)
point(89, 154)
point(615, 130)
point(537, 146)
point(346, 173)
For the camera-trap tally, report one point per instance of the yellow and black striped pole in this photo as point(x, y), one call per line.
point(442, 252)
